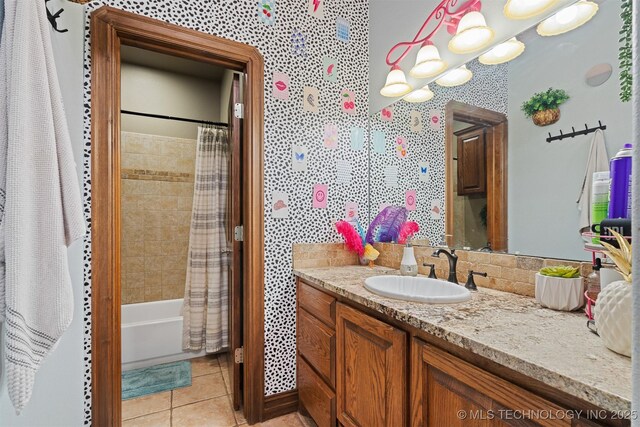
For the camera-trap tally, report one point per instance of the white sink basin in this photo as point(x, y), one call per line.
point(417, 289)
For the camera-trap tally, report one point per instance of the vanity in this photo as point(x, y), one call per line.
point(477, 174)
point(498, 359)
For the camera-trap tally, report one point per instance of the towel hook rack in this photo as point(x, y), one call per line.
point(53, 18)
point(574, 132)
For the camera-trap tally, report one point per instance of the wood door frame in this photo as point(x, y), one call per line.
point(111, 28)
point(497, 142)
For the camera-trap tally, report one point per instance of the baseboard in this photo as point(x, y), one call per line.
point(280, 404)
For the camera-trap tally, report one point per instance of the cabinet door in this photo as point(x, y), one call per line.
point(472, 177)
point(371, 371)
point(447, 391)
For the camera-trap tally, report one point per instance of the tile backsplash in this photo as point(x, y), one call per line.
point(505, 272)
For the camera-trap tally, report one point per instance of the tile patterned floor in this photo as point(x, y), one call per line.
point(206, 403)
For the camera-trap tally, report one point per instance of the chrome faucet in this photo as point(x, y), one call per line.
point(453, 262)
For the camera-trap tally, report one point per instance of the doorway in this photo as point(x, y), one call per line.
point(476, 177)
point(113, 30)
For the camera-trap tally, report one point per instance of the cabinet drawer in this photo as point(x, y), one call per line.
point(315, 396)
point(317, 303)
point(317, 344)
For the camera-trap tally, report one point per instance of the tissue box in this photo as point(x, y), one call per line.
point(559, 293)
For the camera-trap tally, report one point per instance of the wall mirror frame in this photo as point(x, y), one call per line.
point(111, 28)
point(496, 142)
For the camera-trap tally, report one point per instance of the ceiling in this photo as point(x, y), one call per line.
point(174, 64)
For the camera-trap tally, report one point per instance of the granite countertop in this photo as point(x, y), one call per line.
point(553, 347)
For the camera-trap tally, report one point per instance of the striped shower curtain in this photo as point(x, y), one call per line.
point(206, 293)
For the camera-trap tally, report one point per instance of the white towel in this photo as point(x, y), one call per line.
point(42, 210)
point(598, 162)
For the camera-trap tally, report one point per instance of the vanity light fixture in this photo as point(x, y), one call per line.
point(525, 9)
point(423, 94)
point(455, 77)
point(428, 62)
point(396, 84)
point(472, 34)
point(504, 52)
point(569, 18)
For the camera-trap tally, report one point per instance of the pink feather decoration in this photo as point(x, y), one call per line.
point(408, 229)
point(351, 237)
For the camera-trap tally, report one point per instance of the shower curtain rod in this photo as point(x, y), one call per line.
point(179, 119)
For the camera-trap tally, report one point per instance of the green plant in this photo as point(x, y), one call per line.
point(563, 271)
point(625, 51)
point(541, 101)
point(621, 256)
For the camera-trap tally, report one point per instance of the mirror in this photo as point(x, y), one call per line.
point(482, 174)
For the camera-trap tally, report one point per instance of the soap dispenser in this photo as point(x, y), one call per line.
point(408, 265)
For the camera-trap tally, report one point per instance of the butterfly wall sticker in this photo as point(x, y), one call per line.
point(423, 171)
point(299, 158)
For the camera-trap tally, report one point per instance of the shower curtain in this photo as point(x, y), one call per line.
point(206, 295)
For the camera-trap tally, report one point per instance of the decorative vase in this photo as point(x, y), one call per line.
point(613, 317)
point(559, 293)
point(546, 117)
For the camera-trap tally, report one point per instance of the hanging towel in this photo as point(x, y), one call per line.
point(598, 162)
point(41, 208)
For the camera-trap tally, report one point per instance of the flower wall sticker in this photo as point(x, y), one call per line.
point(267, 11)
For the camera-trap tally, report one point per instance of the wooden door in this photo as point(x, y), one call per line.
point(371, 371)
point(472, 163)
point(447, 391)
point(235, 265)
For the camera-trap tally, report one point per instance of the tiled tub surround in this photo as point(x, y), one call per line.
point(505, 272)
point(157, 195)
point(552, 347)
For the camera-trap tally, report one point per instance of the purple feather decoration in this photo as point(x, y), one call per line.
point(386, 225)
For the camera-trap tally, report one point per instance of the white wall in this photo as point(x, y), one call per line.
point(545, 179)
point(58, 393)
point(151, 90)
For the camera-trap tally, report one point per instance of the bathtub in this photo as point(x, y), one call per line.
point(152, 334)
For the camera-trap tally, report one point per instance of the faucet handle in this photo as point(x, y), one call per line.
point(471, 284)
point(432, 270)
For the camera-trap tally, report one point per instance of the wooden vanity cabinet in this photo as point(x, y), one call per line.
point(357, 370)
point(316, 354)
point(371, 370)
point(447, 391)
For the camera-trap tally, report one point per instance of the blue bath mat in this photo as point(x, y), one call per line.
point(154, 379)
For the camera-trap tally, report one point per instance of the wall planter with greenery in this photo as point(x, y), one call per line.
point(543, 106)
point(625, 53)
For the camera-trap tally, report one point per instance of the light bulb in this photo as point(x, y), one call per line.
point(567, 14)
